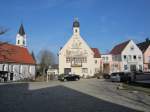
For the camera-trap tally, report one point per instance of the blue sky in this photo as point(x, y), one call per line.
point(48, 23)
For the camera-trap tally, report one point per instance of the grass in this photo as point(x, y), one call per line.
point(137, 87)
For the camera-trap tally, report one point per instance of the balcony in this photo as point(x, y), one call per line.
point(76, 64)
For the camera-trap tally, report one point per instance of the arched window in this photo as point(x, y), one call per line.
point(18, 42)
point(3, 67)
point(76, 30)
point(23, 42)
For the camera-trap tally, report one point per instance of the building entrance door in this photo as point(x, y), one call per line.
point(11, 76)
point(67, 70)
point(106, 68)
point(132, 67)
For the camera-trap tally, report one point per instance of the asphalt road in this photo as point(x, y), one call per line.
point(86, 95)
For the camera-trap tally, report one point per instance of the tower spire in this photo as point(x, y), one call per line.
point(76, 23)
point(21, 37)
point(76, 27)
point(21, 30)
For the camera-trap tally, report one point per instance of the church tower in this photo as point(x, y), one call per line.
point(76, 27)
point(21, 37)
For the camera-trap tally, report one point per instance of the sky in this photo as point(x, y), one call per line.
point(48, 23)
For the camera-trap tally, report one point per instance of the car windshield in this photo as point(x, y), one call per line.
point(113, 74)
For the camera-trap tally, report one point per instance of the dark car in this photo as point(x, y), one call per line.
point(121, 77)
point(69, 77)
point(106, 76)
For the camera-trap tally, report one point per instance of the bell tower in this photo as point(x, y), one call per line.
point(21, 37)
point(76, 27)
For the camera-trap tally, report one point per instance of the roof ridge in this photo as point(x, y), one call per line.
point(117, 49)
point(123, 42)
point(14, 45)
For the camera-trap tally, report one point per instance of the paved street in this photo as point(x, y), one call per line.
point(86, 95)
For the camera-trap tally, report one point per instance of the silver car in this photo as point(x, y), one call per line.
point(115, 77)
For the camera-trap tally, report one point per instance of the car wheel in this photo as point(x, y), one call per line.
point(77, 79)
point(65, 79)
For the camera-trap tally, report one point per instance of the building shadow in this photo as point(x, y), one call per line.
point(18, 98)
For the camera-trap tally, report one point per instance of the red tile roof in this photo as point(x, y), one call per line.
point(144, 45)
point(14, 54)
point(96, 53)
point(119, 48)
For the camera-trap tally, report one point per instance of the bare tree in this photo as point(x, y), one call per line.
point(3, 30)
point(45, 58)
point(33, 56)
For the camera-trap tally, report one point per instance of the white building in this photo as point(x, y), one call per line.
point(53, 70)
point(21, 37)
point(16, 62)
point(77, 57)
point(107, 63)
point(126, 57)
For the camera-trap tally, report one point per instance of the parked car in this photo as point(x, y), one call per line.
point(121, 77)
point(114, 77)
point(98, 75)
point(106, 76)
point(69, 77)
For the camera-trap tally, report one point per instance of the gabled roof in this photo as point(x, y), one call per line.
point(96, 53)
point(14, 54)
point(119, 48)
point(144, 45)
point(21, 30)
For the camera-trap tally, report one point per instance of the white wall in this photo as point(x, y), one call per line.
point(20, 71)
point(21, 40)
point(84, 50)
point(132, 50)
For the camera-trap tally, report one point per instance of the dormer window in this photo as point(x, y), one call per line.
point(132, 47)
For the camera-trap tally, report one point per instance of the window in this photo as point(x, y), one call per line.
point(23, 42)
point(140, 67)
point(29, 67)
point(134, 57)
point(148, 58)
point(84, 59)
point(125, 57)
point(96, 70)
point(76, 61)
point(130, 57)
point(18, 42)
point(20, 69)
point(3, 67)
point(68, 60)
point(11, 68)
point(76, 30)
point(95, 61)
point(106, 58)
point(103, 58)
point(148, 66)
point(125, 67)
point(116, 58)
point(132, 47)
point(116, 66)
point(84, 70)
point(139, 57)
